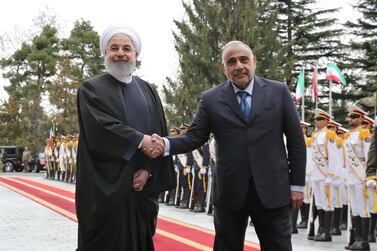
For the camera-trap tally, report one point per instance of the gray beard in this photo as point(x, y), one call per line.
point(121, 72)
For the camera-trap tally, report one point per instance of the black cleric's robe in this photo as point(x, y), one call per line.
point(111, 215)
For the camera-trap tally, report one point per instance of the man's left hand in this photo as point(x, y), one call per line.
point(140, 179)
point(297, 199)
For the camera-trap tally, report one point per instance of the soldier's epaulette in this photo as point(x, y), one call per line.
point(339, 141)
point(308, 141)
point(346, 135)
point(371, 177)
point(364, 133)
point(330, 135)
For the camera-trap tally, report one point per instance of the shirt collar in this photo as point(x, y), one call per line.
point(248, 89)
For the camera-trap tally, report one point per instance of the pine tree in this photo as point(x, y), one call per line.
point(80, 59)
point(209, 26)
point(363, 59)
point(310, 37)
point(30, 70)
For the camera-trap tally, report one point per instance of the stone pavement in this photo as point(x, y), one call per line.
point(27, 226)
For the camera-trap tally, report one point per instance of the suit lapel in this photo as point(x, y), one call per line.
point(230, 98)
point(259, 91)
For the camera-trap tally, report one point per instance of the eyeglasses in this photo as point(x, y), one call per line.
point(330, 127)
point(319, 118)
point(353, 116)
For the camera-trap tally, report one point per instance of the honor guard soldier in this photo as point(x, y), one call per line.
point(323, 173)
point(171, 194)
point(356, 152)
point(74, 156)
point(343, 133)
point(368, 123)
point(304, 209)
point(62, 158)
point(202, 180)
point(211, 170)
point(336, 197)
point(371, 183)
point(186, 174)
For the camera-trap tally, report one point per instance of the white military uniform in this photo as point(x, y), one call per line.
point(324, 168)
point(356, 149)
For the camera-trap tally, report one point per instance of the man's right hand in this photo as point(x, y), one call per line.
point(153, 146)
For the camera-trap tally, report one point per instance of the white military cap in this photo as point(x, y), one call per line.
point(333, 123)
point(342, 130)
point(303, 123)
point(353, 109)
point(319, 113)
point(369, 120)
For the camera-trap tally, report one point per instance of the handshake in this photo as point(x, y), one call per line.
point(152, 146)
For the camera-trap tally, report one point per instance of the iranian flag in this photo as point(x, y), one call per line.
point(300, 87)
point(333, 73)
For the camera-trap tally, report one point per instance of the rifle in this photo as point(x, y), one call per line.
point(176, 197)
point(192, 187)
point(209, 191)
point(350, 228)
point(311, 226)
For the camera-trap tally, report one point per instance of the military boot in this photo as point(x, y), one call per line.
point(363, 243)
point(185, 199)
point(321, 221)
point(356, 225)
point(343, 225)
point(336, 222)
point(325, 235)
point(373, 221)
point(304, 210)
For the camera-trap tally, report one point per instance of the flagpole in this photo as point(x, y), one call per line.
point(303, 96)
point(330, 99)
point(316, 85)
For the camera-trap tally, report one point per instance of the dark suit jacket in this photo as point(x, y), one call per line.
point(249, 149)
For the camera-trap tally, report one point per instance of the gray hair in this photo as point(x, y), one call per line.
point(234, 43)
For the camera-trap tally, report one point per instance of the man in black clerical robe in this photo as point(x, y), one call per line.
point(114, 117)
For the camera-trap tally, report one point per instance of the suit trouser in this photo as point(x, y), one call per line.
point(273, 226)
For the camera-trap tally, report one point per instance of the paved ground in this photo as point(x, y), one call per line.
point(27, 226)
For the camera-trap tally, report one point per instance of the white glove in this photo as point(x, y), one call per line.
point(187, 170)
point(203, 170)
point(176, 169)
point(371, 183)
point(337, 182)
point(328, 181)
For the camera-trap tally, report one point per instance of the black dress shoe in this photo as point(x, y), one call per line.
point(335, 231)
point(323, 237)
point(302, 225)
point(359, 245)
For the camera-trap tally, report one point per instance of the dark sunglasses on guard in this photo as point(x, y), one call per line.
point(319, 118)
point(354, 116)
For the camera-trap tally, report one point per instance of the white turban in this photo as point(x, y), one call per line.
point(119, 29)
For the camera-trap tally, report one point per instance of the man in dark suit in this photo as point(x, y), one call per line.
point(254, 175)
point(117, 185)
